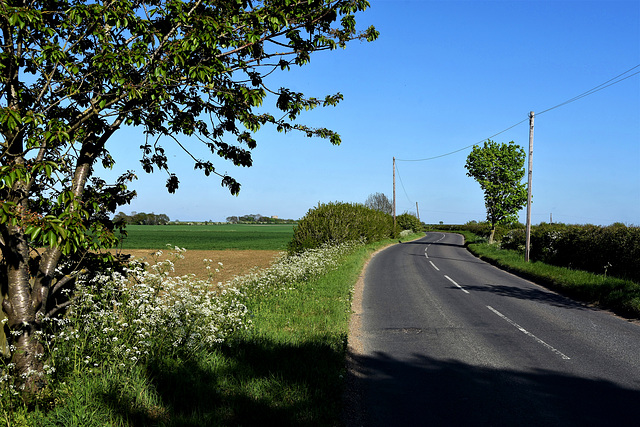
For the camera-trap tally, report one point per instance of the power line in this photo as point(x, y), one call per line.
point(608, 83)
point(463, 148)
point(402, 184)
point(598, 88)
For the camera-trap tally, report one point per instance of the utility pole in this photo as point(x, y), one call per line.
point(418, 211)
point(394, 194)
point(528, 240)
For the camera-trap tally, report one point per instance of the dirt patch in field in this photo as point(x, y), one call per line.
point(234, 263)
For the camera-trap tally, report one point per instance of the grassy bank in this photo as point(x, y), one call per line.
point(285, 368)
point(618, 295)
point(289, 369)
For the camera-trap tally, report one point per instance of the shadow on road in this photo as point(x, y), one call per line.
point(448, 258)
point(528, 294)
point(426, 391)
point(423, 243)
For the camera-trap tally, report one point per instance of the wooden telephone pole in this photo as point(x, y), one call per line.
point(528, 240)
point(394, 194)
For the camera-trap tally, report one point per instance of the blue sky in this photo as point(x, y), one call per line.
point(442, 76)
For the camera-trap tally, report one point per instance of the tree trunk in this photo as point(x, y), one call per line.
point(492, 234)
point(25, 303)
point(4, 346)
point(20, 307)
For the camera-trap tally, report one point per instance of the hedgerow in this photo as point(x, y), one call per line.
point(613, 250)
point(339, 223)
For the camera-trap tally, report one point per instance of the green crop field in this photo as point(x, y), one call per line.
point(209, 237)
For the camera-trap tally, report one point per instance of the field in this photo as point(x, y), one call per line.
point(234, 262)
point(240, 248)
point(209, 237)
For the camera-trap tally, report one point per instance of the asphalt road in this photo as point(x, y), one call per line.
point(449, 340)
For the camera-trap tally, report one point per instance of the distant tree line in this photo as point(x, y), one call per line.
point(257, 219)
point(141, 218)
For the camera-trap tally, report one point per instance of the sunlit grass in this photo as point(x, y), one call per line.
point(281, 362)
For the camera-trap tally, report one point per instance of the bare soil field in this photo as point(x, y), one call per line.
point(234, 262)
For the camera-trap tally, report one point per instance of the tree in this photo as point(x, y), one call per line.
point(379, 202)
point(499, 169)
point(73, 72)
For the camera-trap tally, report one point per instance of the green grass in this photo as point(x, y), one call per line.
point(209, 237)
point(619, 295)
point(289, 370)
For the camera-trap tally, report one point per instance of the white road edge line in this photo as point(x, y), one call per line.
point(434, 266)
point(524, 331)
point(452, 281)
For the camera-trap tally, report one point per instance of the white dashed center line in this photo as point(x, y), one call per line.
point(452, 281)
point(524, 331)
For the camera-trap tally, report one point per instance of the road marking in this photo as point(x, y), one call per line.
point(452, 281)
point(524, 331)
point(434, 266)
point(427, 248)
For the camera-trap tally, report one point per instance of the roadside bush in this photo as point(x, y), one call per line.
point(337, 222)
point(514, 240)
point(407, 221)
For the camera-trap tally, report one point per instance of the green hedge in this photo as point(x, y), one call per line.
point(407, 221)
point(613, 250)
point(338, 223)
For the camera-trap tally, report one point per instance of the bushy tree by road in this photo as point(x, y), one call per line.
point(499, 169)
point(339, 222)
point(407, 221)
point(73, 72)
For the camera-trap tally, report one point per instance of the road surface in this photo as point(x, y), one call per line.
point(449, 340)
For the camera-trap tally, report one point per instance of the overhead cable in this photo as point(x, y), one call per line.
point(402, 184)
point(604, 85)
point(463, 148)
point(591, 91)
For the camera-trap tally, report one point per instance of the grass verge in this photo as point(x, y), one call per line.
point(287, 369)
point(618, 295)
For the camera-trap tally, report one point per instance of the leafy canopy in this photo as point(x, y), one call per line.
point(73, 72)
point(499, 169)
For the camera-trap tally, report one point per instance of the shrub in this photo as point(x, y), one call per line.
point(407, 221)
point(336, 223)
point(514, 240)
